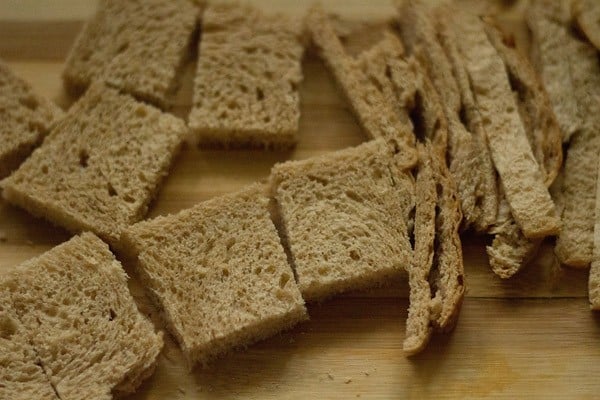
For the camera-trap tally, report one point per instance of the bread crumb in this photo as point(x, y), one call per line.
point(347, 380)
point(366, 373)
point(330, 376)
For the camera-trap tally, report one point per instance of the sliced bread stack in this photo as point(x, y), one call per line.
point(70, 329)
point(137, 46)
point(25, 119)
point(218, 272)
point(100, 167)
point(247, 78)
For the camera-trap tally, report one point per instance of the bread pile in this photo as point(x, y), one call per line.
point(463, 133)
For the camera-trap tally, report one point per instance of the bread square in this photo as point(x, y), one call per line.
point(246, 84)
point(100, 166)
point(79, 317)
point(219, 273)
point(344, 216)
point(138, 46)
point(25, 119)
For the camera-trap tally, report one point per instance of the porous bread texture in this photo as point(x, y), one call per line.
point(586, 14)
point(511, 250)
point(550, 48)
point(100, 167)
point(137, 46)
point(594, 278)
point(343, 216)
point(25, 119)
point(377, 116)
point(418, 322)
point(513, 158)
point(565, 58)
point(84, 327)
point(20, 373)
point(218, 272)
point(247, 78)
point(427, 36)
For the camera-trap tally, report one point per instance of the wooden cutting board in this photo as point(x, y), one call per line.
point(531, 336)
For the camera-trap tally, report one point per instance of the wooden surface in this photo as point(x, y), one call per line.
point(531, 336)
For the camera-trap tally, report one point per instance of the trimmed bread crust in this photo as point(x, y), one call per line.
point(429, 38)
point(586, 14)
point(513, 158)
point(594, 278)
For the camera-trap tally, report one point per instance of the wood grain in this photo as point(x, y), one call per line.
point(531, 336)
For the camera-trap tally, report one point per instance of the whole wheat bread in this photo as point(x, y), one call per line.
point(513, 158)
point(83, 325)
point(375, 114)
point(21, 374)
point(25, 119)
point(343, 216)
point(100, 167)
point(586, 14)
point(138, 46)
point(218, 272)
point(511, 250)
point(254, 100)
point(562, 56)
point(468, 155)
point(418, 322)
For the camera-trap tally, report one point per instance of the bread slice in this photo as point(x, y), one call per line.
point(84, 327)
point(550, 44)
point(25, 119)
point(560, 51)
point(468, 155)
point(253, 101)
point(513, 158)
point(343, 216)
point(100, 166)
point(21, 374)
point(418, 322)
point(594, 278)
point(511, 250)
point(219, 273)
point(137, 46)
point(586, 14)
point(377, 116)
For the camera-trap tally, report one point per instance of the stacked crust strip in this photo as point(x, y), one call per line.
point(513, 158)
point(569, 69)
point(468, 155)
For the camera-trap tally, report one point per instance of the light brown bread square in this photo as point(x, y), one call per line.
point(84, 327)
point(101, 165)
point(218, 272)
point(513, 158)
point(368, 100)
point(21, 376)
point(137, 46)
point(25, 119)
point(429, 38)
point(247, 78)
point(586, 14)
point(343, 216)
